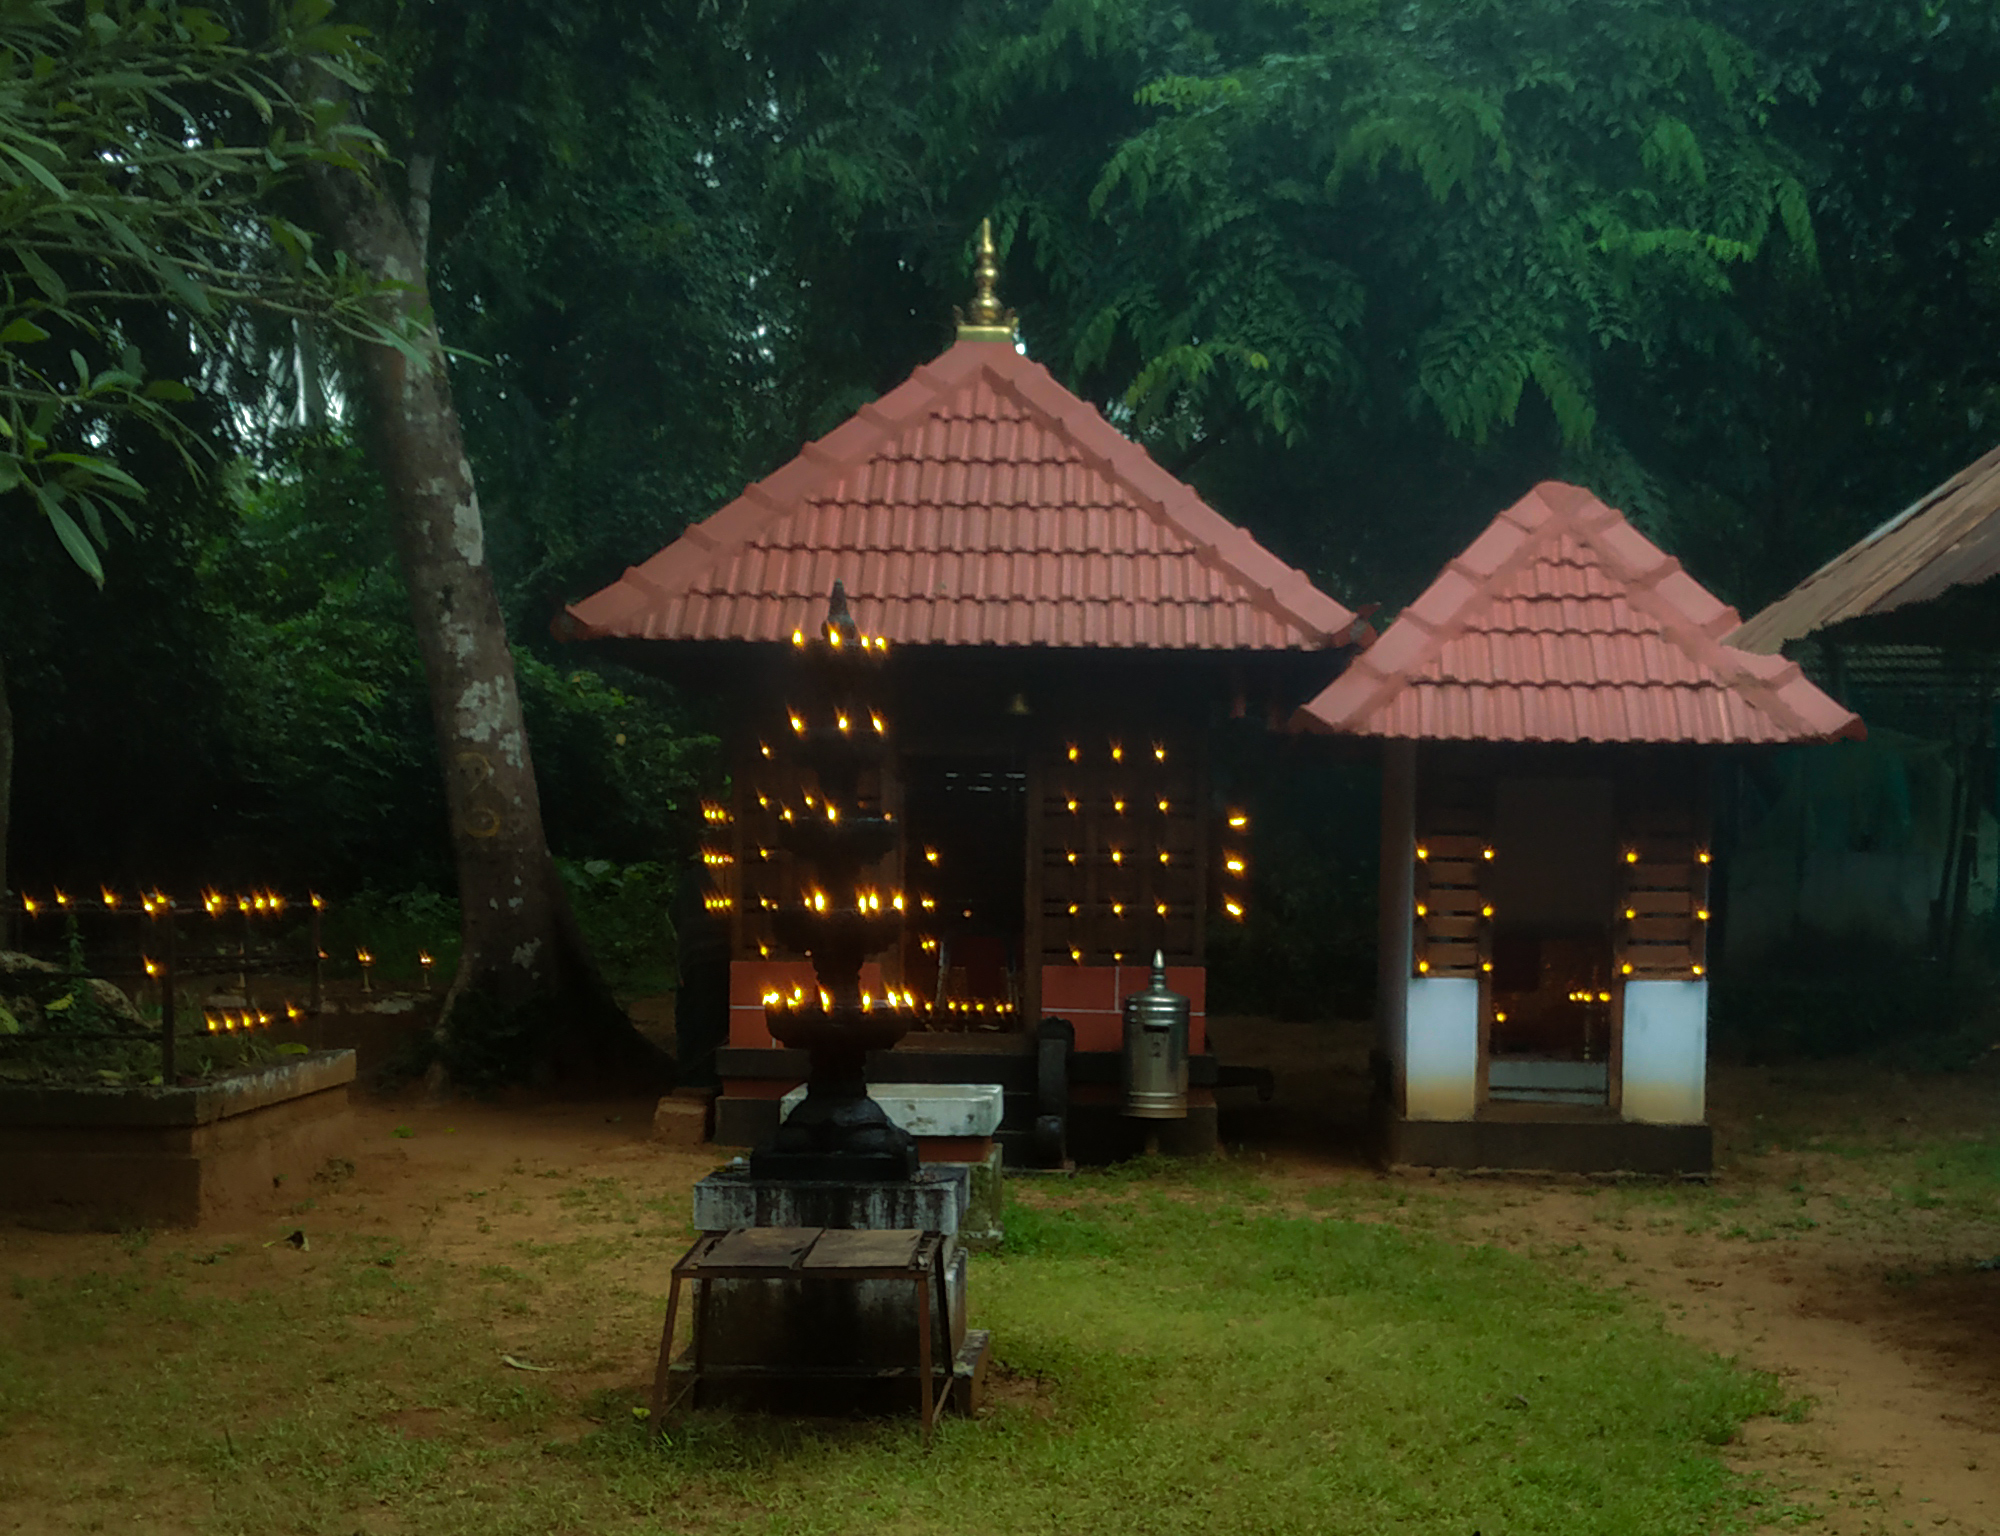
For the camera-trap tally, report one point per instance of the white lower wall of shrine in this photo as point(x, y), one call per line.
point(1666, 1052)
point(1441, 1044)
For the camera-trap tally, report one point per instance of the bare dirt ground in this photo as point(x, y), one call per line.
point(1836, 1246)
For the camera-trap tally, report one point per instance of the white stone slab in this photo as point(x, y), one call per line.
point(929, 1109)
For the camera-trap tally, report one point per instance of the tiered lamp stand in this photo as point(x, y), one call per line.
point(766, 1332)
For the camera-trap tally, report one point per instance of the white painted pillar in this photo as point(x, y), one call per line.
point(1397, 897)
point(1665, 1053)
point(1442, 1070)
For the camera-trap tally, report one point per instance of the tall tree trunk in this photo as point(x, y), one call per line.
point(527, 997)
point(6, 782)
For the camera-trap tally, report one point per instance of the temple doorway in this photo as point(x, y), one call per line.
point(1553, 886)
point(966, 856)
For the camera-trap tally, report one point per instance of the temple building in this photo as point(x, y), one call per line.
point(1064, 623)
point(1550, 710)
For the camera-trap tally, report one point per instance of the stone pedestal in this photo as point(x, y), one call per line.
point(933, 1201)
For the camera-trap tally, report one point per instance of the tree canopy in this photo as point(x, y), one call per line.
point(1361, 270)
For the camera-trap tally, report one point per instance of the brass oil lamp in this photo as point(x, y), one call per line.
point(838, 1132)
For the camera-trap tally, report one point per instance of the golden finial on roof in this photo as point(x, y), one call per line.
point(988, 321)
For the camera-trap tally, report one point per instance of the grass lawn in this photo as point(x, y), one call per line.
point(1181, 1350)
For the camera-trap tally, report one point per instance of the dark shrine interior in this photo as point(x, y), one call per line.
point(967, 832)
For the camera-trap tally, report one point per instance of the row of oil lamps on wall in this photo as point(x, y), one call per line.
point(719, 900)
point(1629, 857)
point(890, 999)
point(156, 903)
point(253, 904)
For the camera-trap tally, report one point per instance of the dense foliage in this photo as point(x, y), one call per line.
point(1360, 269)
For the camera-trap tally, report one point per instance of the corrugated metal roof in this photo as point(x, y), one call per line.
point(1562, 622)
point(1949, 538)
point(979, 503)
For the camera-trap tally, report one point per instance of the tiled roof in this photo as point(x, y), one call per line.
point(1562, 622)
point(979, 503)
point(1948, 538)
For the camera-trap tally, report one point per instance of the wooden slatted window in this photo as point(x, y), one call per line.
point(1121, 852)
point(1453, 917)
point(1663, 917)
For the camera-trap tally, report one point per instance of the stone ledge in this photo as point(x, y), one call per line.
point(200, 1104)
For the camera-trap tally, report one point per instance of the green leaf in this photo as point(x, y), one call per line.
point(168, 389)
point(22, 331)
point(43, 274)
point(93, 517)
point(73, 537)
point(36, 169)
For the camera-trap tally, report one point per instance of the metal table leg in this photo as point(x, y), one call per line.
point(924, 1353)
point(660, 1374)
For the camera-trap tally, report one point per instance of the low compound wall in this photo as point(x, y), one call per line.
point(108, 1159)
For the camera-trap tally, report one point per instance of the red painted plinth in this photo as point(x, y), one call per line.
point(1092, 997)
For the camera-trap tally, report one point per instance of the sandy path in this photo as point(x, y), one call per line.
point(1805, 1257)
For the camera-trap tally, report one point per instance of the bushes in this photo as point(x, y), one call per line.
point(626, 916)
point(623, 909)
point(1826, 996)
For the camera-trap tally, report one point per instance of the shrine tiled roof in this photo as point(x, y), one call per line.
point(1563, 623)
point(1950, 537)
point(978, 503)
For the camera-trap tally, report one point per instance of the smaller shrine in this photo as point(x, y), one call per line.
point(1550, 710)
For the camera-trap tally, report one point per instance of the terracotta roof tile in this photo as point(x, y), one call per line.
point(1562, 622)
point(978, 503)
